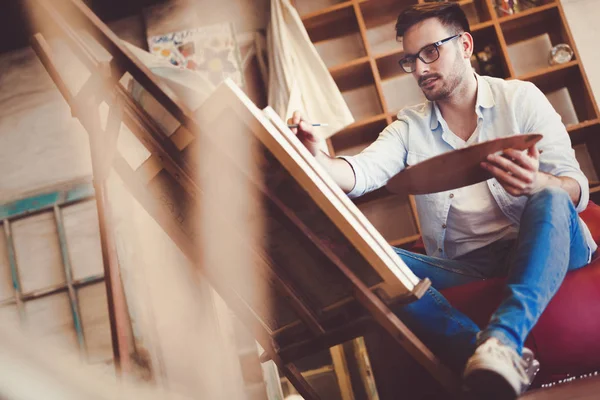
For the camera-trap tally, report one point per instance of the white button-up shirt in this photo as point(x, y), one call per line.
point(503, 108)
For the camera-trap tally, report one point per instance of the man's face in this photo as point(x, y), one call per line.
point(438, 79)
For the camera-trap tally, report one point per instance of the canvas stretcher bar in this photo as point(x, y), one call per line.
point(228, 100)
point(397, 278)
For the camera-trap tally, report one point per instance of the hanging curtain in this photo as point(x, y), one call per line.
point(298, 77)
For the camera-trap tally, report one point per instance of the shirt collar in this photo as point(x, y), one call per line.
point(485, 99)
point(435, 116)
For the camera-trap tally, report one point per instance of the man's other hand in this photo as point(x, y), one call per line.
point(517, 171)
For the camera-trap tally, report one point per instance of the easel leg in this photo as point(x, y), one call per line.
point(304, 389)
point(394, 370)
point(405, 338)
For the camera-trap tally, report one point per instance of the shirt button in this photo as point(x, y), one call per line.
point(451, 195)
point(443, 226)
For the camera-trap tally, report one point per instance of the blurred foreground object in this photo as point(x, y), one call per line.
point(32, 370)
point(251, 211)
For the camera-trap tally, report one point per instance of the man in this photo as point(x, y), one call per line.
point(522, 224)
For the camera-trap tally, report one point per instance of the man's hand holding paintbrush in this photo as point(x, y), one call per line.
point(338, 168)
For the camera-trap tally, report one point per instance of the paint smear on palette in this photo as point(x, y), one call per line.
point(212, 51)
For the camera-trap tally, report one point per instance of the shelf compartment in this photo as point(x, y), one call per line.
point(530, 38)
point(485, 40)
point(332, 23)
point(388, 66)
point(585, 138)
point(309, 9)
point(382, 38)
point(401, 91)
point(379, 205)
point(399, 88)
point(482, 25)
point(586, 163)
point(540, 73)
point(382, 12)
point(380, 20)
point(363, 102)
point(502, 16)
point(357, 84)
point(352, 75)
point(565, 88)
point(580, 133)
point(354, 138)
point(476, 11)
point(336, 34)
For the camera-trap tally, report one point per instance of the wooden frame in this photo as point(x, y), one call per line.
point(169, 183)
point(53, 202)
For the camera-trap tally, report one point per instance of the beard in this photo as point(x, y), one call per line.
point(444, 86)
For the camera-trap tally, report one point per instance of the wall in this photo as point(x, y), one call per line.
point(40, 144)
point(582, 16)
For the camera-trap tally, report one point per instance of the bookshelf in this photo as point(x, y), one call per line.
point(356, 39)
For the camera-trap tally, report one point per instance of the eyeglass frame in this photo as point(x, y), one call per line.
point(418, 55)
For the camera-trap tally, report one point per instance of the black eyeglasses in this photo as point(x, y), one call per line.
point(427, 54)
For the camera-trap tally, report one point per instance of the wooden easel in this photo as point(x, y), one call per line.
point(304, 326)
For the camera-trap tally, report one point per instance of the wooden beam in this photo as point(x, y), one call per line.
point(332, 337)
point(115, 295)
point(340, 366)
point(64, 252)
point(14, 271)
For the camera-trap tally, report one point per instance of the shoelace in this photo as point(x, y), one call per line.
point(501, 351)
point(532, 365)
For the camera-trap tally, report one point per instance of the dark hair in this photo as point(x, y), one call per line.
point(449, 14)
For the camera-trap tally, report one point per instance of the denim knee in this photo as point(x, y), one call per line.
point(552, 197)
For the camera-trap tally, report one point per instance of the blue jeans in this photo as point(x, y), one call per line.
point(550, 243)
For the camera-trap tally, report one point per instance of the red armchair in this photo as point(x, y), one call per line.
point(566, 339)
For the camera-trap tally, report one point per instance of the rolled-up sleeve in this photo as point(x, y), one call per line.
point(380, 161)
point(558, 156)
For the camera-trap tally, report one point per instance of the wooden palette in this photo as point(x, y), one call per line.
point(457, 168)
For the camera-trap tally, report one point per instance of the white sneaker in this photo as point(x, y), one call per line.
point(496, 371)
point(533, 365)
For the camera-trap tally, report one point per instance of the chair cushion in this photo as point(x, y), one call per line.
point(591, 217)
point(566, 335)
point(565, 339)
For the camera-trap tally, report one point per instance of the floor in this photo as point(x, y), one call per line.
point(581, 389)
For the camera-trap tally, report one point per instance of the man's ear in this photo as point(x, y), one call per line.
point(467, 44)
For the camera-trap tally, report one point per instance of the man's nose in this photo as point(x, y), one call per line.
point(421, 68)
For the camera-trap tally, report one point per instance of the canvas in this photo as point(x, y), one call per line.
point(211, 51)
